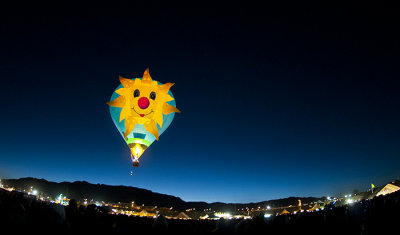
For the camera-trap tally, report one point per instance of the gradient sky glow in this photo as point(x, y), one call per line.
point(276, 104)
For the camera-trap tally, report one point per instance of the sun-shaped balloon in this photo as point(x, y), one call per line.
point(143, 102)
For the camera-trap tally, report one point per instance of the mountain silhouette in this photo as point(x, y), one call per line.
point(81, 190)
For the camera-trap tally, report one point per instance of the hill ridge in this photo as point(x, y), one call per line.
point(81, 190)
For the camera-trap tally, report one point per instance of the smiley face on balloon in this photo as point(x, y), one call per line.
point(143, 101)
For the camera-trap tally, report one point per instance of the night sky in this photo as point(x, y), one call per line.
point(275, 102)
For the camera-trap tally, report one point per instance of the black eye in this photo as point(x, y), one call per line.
point(153, 95)
point(136, 93)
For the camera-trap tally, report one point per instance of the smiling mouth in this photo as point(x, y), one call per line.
point(142, 115)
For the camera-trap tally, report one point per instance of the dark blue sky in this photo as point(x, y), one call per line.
point(275, 103)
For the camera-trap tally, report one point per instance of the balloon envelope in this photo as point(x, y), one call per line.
point(140, 138)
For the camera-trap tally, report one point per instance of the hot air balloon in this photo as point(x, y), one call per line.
point(142, 109)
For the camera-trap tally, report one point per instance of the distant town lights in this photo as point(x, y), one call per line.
point(350, 201)
point(223, 215)
point(267, 215)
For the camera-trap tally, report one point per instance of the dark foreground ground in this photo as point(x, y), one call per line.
point(23, 214)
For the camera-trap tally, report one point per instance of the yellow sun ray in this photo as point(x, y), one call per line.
point(118, 102)
point(165, 87)
point(122, 91)
point(167, 109)
point(127, 83)
point(158, 118)
point(130, 124)
point(152, 128)
point(168, 98)
point(125, 112)
point(146, 76)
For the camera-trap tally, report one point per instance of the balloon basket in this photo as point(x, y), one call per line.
point(135, 162)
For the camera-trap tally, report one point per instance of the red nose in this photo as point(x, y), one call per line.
point(143, 102)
